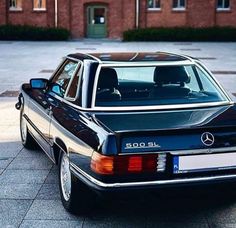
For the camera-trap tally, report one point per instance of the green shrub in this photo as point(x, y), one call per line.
point(181, 34)
point(25, 32)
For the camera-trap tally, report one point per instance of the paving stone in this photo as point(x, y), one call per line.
point(177, 211)
point(25, 153)
point(155, 210)
point(125, 223)
point(10, 135)
point(223, 213)
point(12, 212)
point(116, 213)
point(23, 176)
point(49, 209)
point(52, 177)
point(9, 116)
point(223, 225)
point(38, 162)
point(177, 225)
point(9, 149)
point(4, 162)
point(49, 192)
point(115, 218)
point(50, 223)
point(19, 191)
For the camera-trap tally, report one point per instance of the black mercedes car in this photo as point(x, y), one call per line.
point(127, 121)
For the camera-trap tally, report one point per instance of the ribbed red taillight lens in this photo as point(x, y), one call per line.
point(123, 164)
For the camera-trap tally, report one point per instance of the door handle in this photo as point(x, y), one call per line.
point(50, 99)
point(49, 110)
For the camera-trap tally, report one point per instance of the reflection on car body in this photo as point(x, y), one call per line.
point(125, 121)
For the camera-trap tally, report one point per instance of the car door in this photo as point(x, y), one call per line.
point(44, 102)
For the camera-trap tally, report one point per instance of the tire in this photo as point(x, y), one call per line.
point(26, 138)
point(75, 196)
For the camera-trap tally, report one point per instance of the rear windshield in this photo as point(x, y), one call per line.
point(155, 85)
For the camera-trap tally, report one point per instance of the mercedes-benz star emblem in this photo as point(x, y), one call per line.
point(208, 139)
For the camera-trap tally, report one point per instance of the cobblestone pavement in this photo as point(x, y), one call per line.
point(29, 194)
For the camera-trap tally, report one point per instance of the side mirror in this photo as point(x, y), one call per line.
point(38, 83)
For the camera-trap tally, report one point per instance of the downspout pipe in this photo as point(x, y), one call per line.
point(137, 14)
point(56, 13)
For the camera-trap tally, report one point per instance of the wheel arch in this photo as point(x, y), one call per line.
point(57, 147)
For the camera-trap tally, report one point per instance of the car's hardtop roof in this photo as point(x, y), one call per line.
point(130, 57)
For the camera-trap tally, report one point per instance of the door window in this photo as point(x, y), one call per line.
point(60, 82)
point(99, 16)
point(73, 87)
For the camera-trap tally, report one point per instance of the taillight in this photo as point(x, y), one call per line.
point(122, 164)
point(102, 164)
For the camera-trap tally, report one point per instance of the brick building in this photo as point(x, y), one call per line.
point(109, 18)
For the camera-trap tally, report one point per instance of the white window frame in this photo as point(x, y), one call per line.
point(154, 7)
point(179, 7)
point(39, 8)
point(14, 8)
point(222, 8)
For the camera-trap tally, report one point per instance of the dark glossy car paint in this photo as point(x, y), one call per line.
point(77, 129)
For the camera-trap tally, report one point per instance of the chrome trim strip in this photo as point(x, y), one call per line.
point(94, 58)
point(80, 172)
point(146, 63)
point(204, 151)
point(186, 152)
point(163, 107)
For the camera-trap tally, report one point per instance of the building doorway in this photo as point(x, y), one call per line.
point(96, 21)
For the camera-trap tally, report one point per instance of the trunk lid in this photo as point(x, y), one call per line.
point(172, 130)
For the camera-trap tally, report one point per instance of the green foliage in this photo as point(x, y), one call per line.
point(25, 32)
point(181, 34)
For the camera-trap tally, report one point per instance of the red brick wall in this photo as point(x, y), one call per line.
point(64, 12)
point(116, 13)
point(30, 17)
point(166, 16)
point(3, 14)
point(120, 14)
point(201, 13)
point(227, 18)
point(128, 14)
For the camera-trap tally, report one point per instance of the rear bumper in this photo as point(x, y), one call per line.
point(98, 185)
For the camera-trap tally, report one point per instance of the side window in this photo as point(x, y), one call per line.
point(193, 83)
point(72, 91)
point(15, 5)
point(61, 81)
point(39, 4)
point(207, 83)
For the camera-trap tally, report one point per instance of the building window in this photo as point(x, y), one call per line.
point(179, 4)
point(223, 4)
point(154, 4)
point(39, 4)
point(15, 5)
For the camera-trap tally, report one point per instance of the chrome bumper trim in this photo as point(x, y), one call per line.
point(80, 172)
point(203, 151)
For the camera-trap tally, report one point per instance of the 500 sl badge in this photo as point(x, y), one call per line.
point(142, 145)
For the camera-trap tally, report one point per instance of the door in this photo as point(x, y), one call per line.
point(96, 22)
point(43, 104)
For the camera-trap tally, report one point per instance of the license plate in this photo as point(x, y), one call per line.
point(206, 162)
